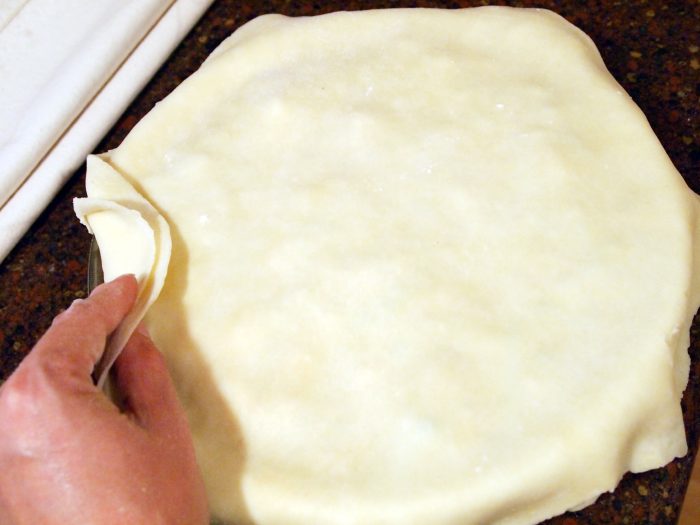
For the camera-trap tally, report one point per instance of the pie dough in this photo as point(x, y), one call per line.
point(428, 266)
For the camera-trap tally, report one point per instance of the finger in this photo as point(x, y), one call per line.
point(77, 337)
point(142, 378)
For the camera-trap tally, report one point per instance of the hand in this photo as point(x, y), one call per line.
point(70, 456)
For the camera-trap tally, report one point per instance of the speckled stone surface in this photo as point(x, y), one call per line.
point(651, 47)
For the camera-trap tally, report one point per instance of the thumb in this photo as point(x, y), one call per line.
point(145, 386)
point(76, 339)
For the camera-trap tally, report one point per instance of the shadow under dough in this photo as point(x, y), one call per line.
point(216, 431)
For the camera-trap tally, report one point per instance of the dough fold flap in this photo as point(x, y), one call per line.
point(133, 238)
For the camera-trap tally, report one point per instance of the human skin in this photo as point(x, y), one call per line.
point(68, 455)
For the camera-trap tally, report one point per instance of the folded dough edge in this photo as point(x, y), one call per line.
point(133, 238)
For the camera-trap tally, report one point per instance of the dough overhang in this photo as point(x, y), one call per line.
point(428, 266)
point(133, 238)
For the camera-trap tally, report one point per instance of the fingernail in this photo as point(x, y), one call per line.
point(141, 329)
point(124, 276)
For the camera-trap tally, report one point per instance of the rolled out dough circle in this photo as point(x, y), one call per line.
point(428, 267)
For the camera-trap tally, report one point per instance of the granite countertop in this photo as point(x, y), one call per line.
point(651, 47)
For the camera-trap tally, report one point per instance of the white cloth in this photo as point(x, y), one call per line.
point(68, 69)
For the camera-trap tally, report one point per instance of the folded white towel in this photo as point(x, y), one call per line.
point(67, 71)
